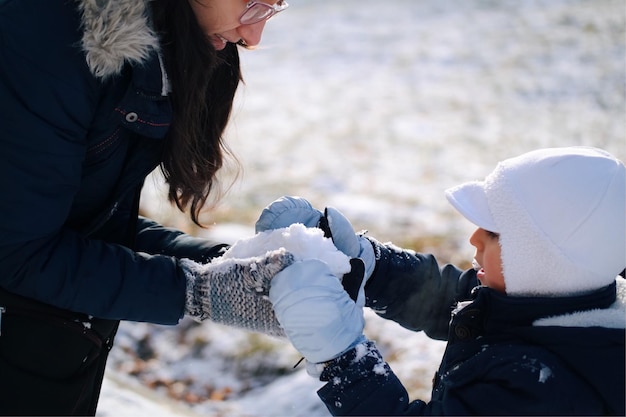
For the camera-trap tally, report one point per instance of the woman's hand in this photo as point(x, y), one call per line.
point(234, 291)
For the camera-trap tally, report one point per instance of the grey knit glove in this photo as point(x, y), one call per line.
point(234, 291)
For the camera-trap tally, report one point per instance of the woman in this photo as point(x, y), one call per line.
point(93, 96)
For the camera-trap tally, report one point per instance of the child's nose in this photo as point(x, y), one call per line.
point(474, 239)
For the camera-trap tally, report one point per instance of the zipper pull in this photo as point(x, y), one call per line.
point(2, 310)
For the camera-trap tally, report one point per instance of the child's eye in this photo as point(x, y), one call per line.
point(493, 234)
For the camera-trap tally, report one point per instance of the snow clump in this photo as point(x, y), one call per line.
point(304, 243)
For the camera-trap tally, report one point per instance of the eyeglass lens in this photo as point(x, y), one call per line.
point(258, 11)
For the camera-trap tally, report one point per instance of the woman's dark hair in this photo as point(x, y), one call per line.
point(203, 83)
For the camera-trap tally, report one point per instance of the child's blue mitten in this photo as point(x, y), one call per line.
point(317, 314)
point(288, 210)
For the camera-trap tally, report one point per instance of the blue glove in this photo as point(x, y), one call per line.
point(318, 316)
point(288, 210)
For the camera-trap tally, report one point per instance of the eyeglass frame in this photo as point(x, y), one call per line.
point(275, 8)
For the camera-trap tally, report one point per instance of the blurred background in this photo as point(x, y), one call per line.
point(375, 108)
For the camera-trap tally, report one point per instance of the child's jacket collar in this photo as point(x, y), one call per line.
point(491, 312)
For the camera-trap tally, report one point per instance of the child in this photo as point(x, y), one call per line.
point(544, 332)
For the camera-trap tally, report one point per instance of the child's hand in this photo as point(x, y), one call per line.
point(317, 314)
point(288, 210)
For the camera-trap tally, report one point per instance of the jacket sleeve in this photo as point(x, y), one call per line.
point(154, 238)
point(361, 383)
point(410, 289)
point(502, 381)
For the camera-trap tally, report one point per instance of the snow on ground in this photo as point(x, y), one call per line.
point(375, 108)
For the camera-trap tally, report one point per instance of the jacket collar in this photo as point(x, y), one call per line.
point(116, 32)
point(613, 317)
point(491, 311)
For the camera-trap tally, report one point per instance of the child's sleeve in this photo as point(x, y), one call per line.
point(360, 382)
point(410, 289)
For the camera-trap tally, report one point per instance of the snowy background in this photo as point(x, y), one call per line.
point(375, 107)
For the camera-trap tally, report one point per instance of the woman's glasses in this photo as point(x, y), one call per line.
point(257, 11)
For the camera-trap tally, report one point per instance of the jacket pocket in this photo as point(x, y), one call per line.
point(103, 149)
point(46, 345)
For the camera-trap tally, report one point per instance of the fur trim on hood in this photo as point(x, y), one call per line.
point(115, 32)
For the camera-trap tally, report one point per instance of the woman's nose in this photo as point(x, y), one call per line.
point(251, 34)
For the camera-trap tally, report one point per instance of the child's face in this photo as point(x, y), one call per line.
point(488, 257)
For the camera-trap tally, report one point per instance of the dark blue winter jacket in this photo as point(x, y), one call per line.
point(81, 125)
point(505, 355)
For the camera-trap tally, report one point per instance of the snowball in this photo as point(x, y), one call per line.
point(304, 243)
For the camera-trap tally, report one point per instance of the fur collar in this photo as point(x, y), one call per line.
point(115, 32)
point(612, 317)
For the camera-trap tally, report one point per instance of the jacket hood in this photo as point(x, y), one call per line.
point(116, 32)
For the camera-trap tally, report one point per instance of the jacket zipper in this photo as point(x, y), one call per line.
point(2, 310)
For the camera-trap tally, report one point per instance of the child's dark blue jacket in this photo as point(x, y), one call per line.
point(505, 355)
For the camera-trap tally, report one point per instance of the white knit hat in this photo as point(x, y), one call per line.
point(561, 216)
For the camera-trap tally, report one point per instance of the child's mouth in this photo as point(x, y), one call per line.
point(480, 272)
point(475, 265)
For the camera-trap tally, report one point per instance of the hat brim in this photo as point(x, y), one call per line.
point(470, 200)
